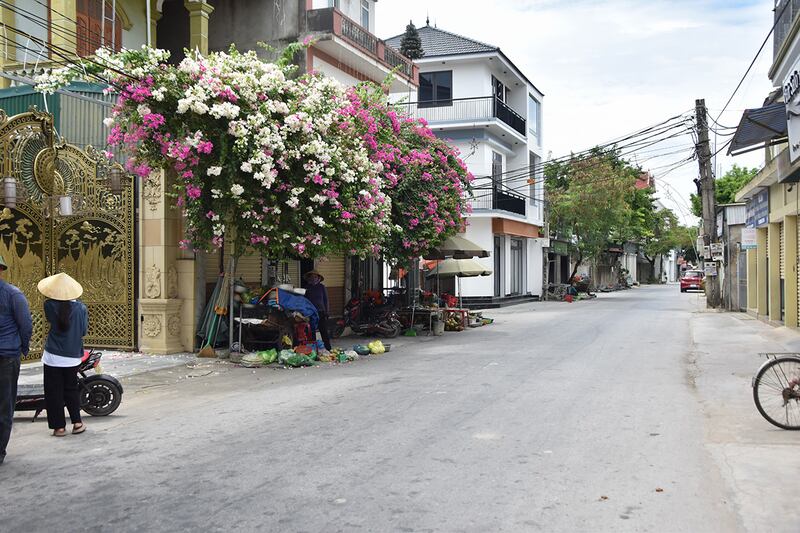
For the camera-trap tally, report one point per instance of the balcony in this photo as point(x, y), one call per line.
point(498, 198)
point(484, 108)
point(334, 22)
point(783, 22)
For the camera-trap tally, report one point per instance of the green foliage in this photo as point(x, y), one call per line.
point(411, 44)
point(726, 187)
point(589, 200)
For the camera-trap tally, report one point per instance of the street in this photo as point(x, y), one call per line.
point(602, 415)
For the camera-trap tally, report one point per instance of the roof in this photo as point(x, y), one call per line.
point(436, 43)
point(440, 43)
point(759, 127)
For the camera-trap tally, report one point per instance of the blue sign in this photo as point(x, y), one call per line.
point(758, 210)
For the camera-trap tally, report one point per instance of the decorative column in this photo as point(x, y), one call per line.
point(155, 16)
point(199, 11)
point(774, 292)
point(63, 14)
point(161, 307)
point(790, 284)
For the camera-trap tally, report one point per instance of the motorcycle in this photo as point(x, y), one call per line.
point(366, 319)
point(100, 394)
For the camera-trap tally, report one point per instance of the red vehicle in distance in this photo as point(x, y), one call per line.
point(694, 280)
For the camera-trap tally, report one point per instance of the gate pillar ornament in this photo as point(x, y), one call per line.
point(163, 306)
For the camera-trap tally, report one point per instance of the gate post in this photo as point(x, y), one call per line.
point(166, 303)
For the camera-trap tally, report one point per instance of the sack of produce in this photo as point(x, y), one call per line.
point(296, 361)
point(268, 356)
point(251, 360)
point(285, 355)
point(360, 349)
point(376, 348)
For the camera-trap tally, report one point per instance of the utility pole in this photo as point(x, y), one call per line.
point(707, 196)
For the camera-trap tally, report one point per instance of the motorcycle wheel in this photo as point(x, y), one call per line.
point(391, 329)
point(100, 397)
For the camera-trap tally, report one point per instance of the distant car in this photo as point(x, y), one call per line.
point(693, 279)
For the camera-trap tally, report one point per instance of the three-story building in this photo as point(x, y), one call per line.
point(474, 96)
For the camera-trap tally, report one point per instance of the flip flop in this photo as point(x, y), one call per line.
point(80, 429)
point(60, 432)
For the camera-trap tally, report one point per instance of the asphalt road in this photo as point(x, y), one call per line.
point(559, 417)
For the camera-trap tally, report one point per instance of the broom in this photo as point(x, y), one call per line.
point(220, 310)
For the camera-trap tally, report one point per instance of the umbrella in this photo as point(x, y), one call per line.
point(460, 268)
point(457, 247)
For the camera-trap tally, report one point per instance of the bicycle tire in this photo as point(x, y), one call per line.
point(769, 385)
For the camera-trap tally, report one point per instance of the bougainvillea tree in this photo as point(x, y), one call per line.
point(261, 158)
point(426, 180)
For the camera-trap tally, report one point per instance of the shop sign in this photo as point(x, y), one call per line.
point(717, 251)
point(758, 210)
point(710, 269)
point(706, 252)
point(791, 95)
point(749, 239)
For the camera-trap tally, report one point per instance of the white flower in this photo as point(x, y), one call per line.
point(293, 201)
point(158, 94)
point(318, 221)
point(214, 171)
point(143, 110)
point(247, 167)
point(108, 121)
point(237, 189)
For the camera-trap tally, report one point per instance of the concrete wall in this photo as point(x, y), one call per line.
point(246, 22)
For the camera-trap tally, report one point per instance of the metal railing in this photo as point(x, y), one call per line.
point(358, 35)
point(500, 198)
point(465, 109)
point(331, 20)
point(783, 22)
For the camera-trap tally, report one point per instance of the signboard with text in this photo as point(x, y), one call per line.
point(749, 239)
point(758, 210)
point(710, 269)
point(791, 96)
point(717, 251)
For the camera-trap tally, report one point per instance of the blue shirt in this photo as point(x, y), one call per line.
point(16, 326)
point(67, 343)
point(318, 295)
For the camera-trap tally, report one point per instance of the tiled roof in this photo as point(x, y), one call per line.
point(436, 42)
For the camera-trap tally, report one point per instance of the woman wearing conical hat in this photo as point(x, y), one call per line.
point(63, 349)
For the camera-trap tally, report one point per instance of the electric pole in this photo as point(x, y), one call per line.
point(708, 198)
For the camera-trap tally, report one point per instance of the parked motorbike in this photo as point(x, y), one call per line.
point(100, 394)
point(366, 319)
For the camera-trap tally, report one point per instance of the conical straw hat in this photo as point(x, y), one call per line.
point(60, 286)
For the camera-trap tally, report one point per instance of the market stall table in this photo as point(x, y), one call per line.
point(463, 313)
point(420, 315)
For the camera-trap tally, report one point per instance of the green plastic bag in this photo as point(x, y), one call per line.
point(299, 360)
point(268, 356)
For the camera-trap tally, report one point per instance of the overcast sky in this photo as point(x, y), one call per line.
point(610, 67)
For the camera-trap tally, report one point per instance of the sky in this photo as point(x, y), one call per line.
point(611, 67)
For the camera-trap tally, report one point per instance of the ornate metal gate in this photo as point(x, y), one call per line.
point(93, 242)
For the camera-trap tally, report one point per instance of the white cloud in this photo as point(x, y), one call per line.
point(611, 67)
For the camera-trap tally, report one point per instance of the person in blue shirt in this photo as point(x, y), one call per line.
point(15, 337)
point(63, 350)
point(318, 295)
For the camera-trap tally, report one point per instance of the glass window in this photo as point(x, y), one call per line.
point(436, 89)
point(534, 178)
point(533, 115)
point(365, 13)
point(497, 169)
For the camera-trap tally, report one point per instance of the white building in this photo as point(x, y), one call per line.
point(472, 95)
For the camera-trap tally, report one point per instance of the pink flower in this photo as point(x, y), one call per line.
point(193, 191)
point(347, 215)
point(153, 120)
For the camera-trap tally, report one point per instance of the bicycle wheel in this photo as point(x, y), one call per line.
point(776, 391)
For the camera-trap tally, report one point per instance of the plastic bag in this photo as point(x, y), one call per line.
point(269, 356)
point(284, 355)
point(298, 361)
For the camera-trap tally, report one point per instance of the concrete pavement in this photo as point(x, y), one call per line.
point(612, 414)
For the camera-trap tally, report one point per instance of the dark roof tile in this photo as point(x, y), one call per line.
point(436, 43)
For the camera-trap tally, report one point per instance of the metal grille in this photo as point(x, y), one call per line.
point(95, 245)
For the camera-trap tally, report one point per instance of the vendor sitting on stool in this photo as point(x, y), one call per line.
point(318, 295)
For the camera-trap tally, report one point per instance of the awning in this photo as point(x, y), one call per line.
point(759, 128)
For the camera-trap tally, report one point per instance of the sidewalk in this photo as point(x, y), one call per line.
point(119, 364)
point(758, 461)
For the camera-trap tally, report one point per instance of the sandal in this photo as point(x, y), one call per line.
point(78, 429)
point(60, 432)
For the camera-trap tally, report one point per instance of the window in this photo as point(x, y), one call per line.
point(436, 89)
point(533, 115)
point(497, 169)
point(97, 27)
point(365, 13)
point(501, 92)
point(534, 179)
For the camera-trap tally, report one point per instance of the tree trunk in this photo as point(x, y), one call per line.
point(575, 268)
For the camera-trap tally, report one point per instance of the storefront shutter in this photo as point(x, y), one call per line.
point(783, 252)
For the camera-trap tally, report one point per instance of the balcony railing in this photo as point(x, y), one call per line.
point(498, 197)
point(465, 110)
point(331, 20)
point(783, 22)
